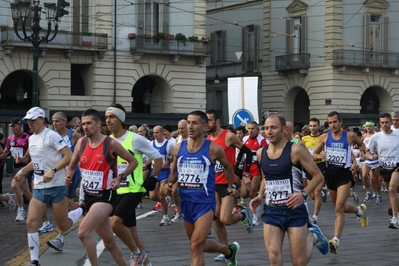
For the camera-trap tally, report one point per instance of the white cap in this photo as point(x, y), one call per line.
point(34, 113)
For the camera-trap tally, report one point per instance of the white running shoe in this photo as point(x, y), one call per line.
point(177, 217)
point(56, 243)
point(11, 203)
point(394, 223)
point(138, 259)
point(47, 227)
point(164, 221)
point(21, 214)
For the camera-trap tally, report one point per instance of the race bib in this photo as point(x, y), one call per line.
point(277, 191)
point(92, 182)
point(191, 176)
point(121, 168)
point(336, 157)
point(387, 162)
point(311, 151)
point(37, 163)
point(218, 168)
point(17, 152)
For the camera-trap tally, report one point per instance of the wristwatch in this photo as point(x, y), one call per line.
point(232, 186)
point(54, 169)
point(123, 177)
point(304, 194)
point(246, 175)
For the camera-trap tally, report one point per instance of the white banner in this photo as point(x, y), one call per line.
point(242, 93)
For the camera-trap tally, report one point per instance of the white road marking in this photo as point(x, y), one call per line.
point(100, 245)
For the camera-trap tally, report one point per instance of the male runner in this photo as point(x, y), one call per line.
point(395, 120)
point(193, 168)
point(123, 221)
point(338, 176)
point(285, 208)
point(311, 142)
point(96, 155)
point(384, 145)
point(224, 201)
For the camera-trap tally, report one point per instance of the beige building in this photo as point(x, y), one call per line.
point(330, 55)
point(110, 51)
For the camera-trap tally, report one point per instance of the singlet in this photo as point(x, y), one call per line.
point(254, 144)
point(97, 166)
point(387, 148)
point(134, 180)
point(311, 143)
point(18, 145)
point(230, 154)
point(338, 152)
point(196, 174)
point(282, 178)
point(366, 142)
point(68, 139)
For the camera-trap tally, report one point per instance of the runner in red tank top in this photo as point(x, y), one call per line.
point(224, 201)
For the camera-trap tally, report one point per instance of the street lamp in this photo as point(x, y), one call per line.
point(20, 12)
point(19, 94)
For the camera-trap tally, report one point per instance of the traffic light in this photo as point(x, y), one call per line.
point(61, 4)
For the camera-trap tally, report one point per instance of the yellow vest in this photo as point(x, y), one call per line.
point(311, 143)
point(134, 180)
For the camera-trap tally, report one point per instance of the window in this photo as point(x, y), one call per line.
point(80, 19)
point(81, 78)
point(219, 48)
point(151, 18)
point(376, 39)
point(296, 35)
point(250, 40)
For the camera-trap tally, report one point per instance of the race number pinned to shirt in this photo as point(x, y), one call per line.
point(17, 152)
point(191, 176)
point(92, 182)
point(388, 162)
point(218, 168)
point(336, 157)
point(121, 168)
point(277, 191)
point(37, 163)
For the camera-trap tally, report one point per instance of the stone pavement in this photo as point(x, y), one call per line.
point(168, 245)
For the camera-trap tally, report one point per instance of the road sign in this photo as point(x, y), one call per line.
point(242, 116)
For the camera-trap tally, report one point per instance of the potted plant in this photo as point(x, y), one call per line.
point(181, 38)
point(131, 35)
point(170, 37)
point(146, 36)
point(193, 39)
point(159, 36)
point(205, 39)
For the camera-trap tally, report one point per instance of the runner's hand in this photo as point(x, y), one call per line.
point(48, 176)
point(114, 183)
point(67, 180)
point(247, 182)
point(295, 200)
point(20, 174)
point(254, 203)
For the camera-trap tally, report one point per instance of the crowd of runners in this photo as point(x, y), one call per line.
point(254, 174)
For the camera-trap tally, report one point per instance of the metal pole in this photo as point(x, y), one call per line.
point(35, 42)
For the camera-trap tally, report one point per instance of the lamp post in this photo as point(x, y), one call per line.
point(20, 12)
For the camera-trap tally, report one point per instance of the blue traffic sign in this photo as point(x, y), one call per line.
point(242, 116)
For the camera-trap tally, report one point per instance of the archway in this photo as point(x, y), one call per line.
point(18, 82)
point(375, 100)
point(296, 106)
point(158, 92)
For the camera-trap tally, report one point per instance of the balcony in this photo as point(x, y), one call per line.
point(293, 61)
point(139, 46)
point(366, 59)
point(64, 40)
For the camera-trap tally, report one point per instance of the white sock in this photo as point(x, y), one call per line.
point(34, 244)
point(359, 211)
point(165, 216)
point(336, 239)
point(20, 208)
point(315, 217)
point(138, 251)
point(75, 214)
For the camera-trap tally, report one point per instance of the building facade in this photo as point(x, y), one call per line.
point(330, 55)
point(111, 51)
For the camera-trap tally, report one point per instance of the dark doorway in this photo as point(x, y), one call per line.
point(142, 86)
point(369, 102)
point(17, 82)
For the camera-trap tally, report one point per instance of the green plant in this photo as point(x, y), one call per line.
point(180, 37)
point(159, 36)
point(193, 39)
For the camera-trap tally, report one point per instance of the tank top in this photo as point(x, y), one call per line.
point(97, 166)
point(282, 178)
point(338, 152)
point(311, 143)
point(230, 153)
point(196, 174)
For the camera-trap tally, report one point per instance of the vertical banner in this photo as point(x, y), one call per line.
point(242, 93)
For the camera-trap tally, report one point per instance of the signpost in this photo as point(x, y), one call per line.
point(242, 116)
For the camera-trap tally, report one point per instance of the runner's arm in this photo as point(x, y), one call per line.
point(317, 152)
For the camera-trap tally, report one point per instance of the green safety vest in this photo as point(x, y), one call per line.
point(135, 180)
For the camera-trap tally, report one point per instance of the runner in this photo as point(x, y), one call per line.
point(193, 168)
point(395, 120)
point(338, 176)
point(385, 146)
point(123, 221)
point(96, 156)
point(285, 208)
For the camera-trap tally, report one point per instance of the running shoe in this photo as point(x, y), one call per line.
point(34, 263)
point(11, 202)
point(247, 222)
point(157, 206)
point(139, 206)
point(164, 221)
point(177, 217)
point(373, 196)
point(333, 246)
point(364, 220)
point(138, 259)
point(47, 227)
point(220, 258)
point(21, 214)
point(367, 198)
point(378, 200)
point(394, 223)
point(232, 261)
point(242, 204)
point(314, 221)
point(255, 217)
point(56, 243)
point(324, 195)
point(355, 198)
point(321, 241)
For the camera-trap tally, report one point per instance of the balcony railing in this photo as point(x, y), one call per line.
point(292, 61)
point(169, 47)
point(63, 40)
point(365, 59)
